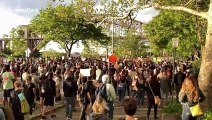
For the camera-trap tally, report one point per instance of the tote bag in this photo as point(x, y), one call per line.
point(196, 110)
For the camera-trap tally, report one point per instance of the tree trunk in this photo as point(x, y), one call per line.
point(205, 75)
point(69, 50)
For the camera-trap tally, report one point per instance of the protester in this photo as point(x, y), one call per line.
point(49, 92)
point(8, 80)
point(84, 98)
point(164, 81)
point(58, 81)
point(98, 108)
point(30, 93)
point(16, 104)
point(189, 96)
point(111, 96)
point(70, 91)
point(152, 89)
point(130, 108)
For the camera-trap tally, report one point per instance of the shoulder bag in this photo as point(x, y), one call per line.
point(157, 98)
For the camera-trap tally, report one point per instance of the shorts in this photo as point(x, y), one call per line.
point(7, 93)
point(49, 101)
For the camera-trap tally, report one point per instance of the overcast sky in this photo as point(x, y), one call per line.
point(19, 12)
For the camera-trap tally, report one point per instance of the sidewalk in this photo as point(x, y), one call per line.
point(37, 113)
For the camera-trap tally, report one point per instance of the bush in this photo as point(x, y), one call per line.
point(172, 107)
point(196, 66)
point(208, 115)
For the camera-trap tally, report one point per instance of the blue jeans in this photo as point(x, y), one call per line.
point(70, 104)
point(141, 97)
point(121, 93)
point(186, 114)
point(2, 116)
point(110, 109)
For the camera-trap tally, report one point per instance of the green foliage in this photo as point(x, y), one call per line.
point(6, 52)
point(130, 46)
point(200, 4)
point(196, 66)
point(89, 52)
point(208, 115)
point(172, 107)
point(67, 24)
point(17, 42)
point(171, 24)
point(52, 54)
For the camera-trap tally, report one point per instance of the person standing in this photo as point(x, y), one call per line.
point(152, 90)
point(178, 80)
point(48, 89)
point(25, 75)
point(164, 85)
point(111, 95)
point(189, 96)
point(30, 93)
point(58, 81)
point(8, 80)
point(130, 108)
point(16, 103)
point(84, 97)
point(70, 91)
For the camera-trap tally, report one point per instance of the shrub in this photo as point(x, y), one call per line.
point(172, 107)
point(208, 115)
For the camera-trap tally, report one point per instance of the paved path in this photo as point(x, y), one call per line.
point(118, 113)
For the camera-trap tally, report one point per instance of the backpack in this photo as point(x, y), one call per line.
point(24, 103)
point(102, 92)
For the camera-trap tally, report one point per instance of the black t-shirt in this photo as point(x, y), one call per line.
point(28, 91)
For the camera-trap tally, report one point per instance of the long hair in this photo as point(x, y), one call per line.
point(189, 87)
point(99, 105)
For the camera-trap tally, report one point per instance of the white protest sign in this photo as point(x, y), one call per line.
point(85, 72)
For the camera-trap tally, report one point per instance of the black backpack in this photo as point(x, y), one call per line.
point(102, 92)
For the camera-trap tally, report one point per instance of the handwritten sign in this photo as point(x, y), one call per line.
point(85, 72)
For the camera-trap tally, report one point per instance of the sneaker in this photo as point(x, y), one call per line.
point(68, 118)
point(30, 116)
point(44, 118)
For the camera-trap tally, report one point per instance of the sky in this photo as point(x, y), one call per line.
point(19, 12)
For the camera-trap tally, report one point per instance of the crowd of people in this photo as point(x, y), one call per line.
point(45, 81)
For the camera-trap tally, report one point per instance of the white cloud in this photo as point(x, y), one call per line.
point(9, 20)
point(57, 47)
point(146, 15)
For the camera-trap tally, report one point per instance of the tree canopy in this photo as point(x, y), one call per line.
point(16, 43)
point(67, 24)
point(166, 26)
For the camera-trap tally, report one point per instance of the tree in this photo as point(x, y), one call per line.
point(51, 54)
point(67, 25)
point(16, 43)
point(130, 45)
point(89, 52)
point(165, 26)
point(205, 75)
